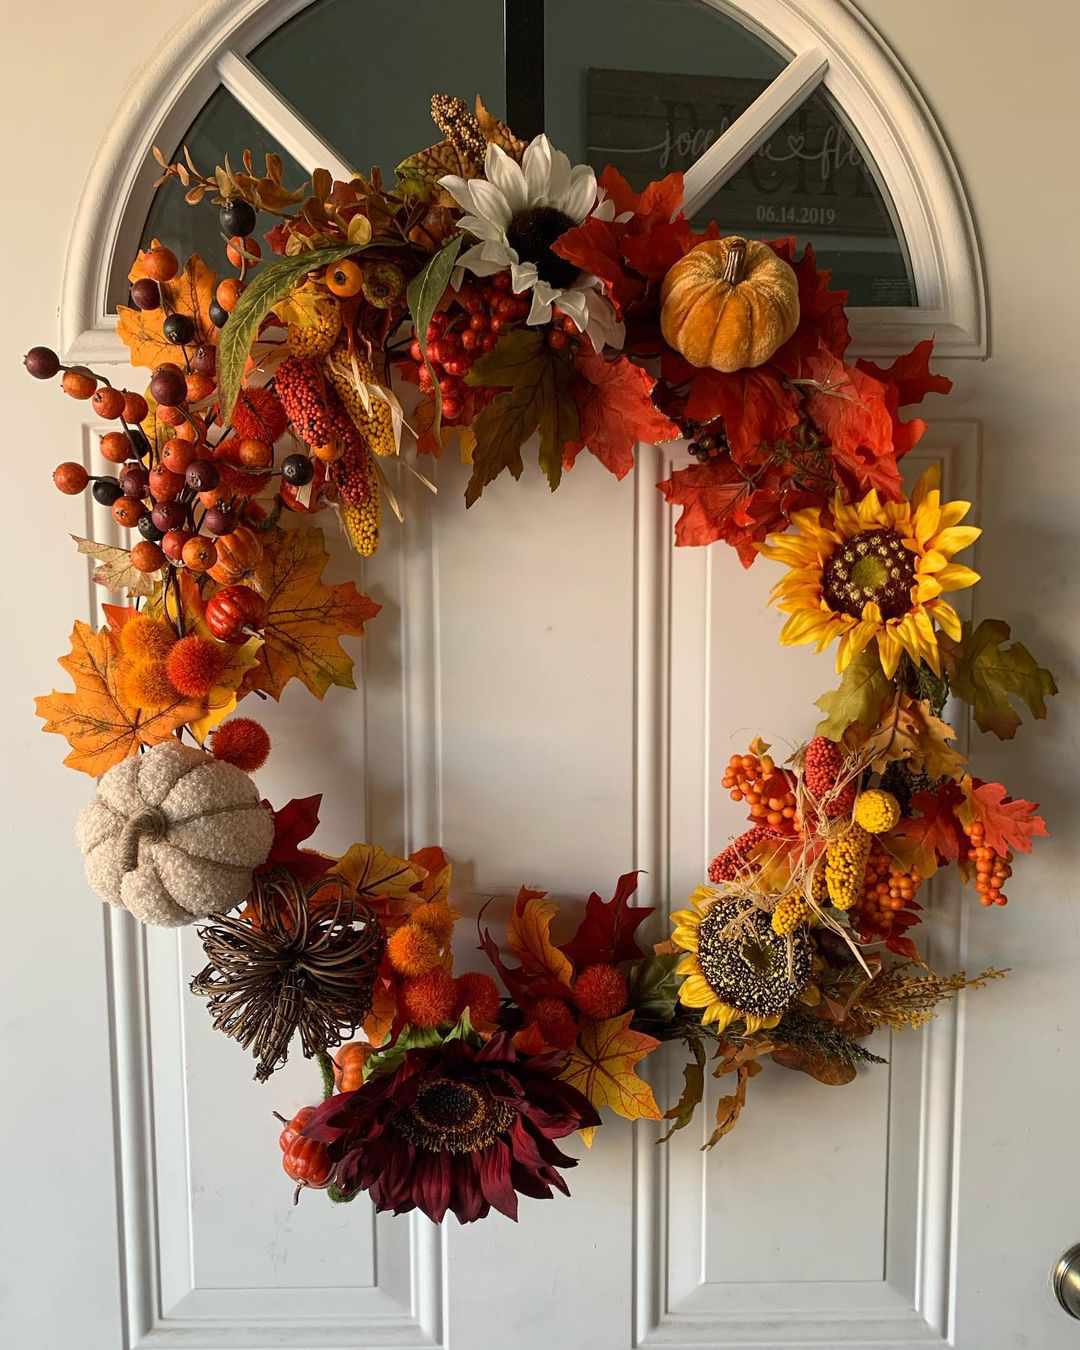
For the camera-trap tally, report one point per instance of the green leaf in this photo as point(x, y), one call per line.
point(989, 674)
point(693, 1090)
point(538, 397)
point(859, 699)
point(423, 294)
point(653, 986)
point(408, 1038)
point(272, 282)
point(462, 1030)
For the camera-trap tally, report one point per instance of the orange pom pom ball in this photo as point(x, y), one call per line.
point(259, 415)
point(412, 950)
point(556, 1021)
point(194, 664)
point(480, 994)
point(146, 685)
point(437, 917)
point(427, 1000)
point(600, 991)
point(145, 639)
point(242, 742)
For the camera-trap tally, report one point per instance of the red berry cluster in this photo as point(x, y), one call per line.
point(735, 859)
point(822, 766)
point(992, 869)
point(478, 314)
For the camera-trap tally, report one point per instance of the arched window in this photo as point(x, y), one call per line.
point(786, 118)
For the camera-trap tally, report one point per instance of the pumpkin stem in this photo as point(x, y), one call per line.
point(735, 262)
point(152, 823)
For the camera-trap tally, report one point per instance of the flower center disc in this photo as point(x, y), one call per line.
point(876, 566)
point(449, 1115)
point(746, 964)
point(531, 234)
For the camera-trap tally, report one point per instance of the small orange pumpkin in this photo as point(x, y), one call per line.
point(237, 554)
point(729, 304)
point(349, 1065)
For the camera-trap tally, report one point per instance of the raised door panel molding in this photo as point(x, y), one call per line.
point(830, 40)
point(709, 1267)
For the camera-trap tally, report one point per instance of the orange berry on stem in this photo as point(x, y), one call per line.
point(128, 511)
point(172, 545)
point(116, 447)
point(135, 408)
point(171, 416)
point(344, 279)
point(199, 553)
point(78, 383)
point(160, 263)
point(243, 252)
point(252, 453)
point(147, 557)
point(199, 386)
point(177, 454)
point(228, 293)
point(107, 402)
point(71, 478)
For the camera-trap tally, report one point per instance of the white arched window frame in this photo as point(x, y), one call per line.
point(830, 45)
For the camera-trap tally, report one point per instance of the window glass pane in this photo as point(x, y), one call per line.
point(362, 71)
point(814, 180)
point(647, 85)
point(221, 128)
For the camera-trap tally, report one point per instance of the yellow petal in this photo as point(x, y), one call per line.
point(956, 577)
point(927, 588)
point(755, 1023)
point(955, 539)
point(930, 481)
point(927, 518)
point(720, 1014)
point(688, 965)
point(932, 561)
point(685, 918)
point(686, 938)
point(953, 512)
point(889, 648)
point(804, 626)
point(695, 992)
point(946, 618)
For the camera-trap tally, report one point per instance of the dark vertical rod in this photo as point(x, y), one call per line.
point(524, 29)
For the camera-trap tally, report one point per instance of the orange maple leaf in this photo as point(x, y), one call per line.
point(190, 292)
point(99, 723)
point(528, 935)
point(304, 617)
point(601, 1066)
point(1007, 823)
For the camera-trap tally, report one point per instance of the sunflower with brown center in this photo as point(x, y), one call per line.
point(876, 572)
point(458, 1126)
point(736, 967)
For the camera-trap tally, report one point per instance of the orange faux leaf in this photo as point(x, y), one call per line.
point(601, 1065)
point(190, 292)
point(1008, 824)
point(436, 883)
point(304, 617)
point(380, 1019)
point(528, 937)
point(100, 725)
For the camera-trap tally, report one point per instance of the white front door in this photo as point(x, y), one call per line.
point(551, 692)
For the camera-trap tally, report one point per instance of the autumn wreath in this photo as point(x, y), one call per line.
point(524, 300)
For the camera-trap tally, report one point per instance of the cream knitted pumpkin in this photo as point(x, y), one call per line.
point(174, 834)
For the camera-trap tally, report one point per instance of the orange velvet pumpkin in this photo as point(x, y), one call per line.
point(237, 554)
point(349, 1066)
point(729, 304)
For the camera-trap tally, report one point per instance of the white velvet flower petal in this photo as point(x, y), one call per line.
point(536, 165)
point(559, 184)
point(605, 208)
point(573, 302)
point(485, 259)
point(489, 203)
point(581, 193)
point(522, 276)
point(506, 174)
point(542, 298)
point(460, 189)
point(604, 328)
point(481, 228)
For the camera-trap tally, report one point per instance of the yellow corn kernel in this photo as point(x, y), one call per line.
point(361, 523)
point(375, 422)
point(790, 913)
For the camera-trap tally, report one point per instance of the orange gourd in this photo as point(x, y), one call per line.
point(349, 1066)
point(237, 554)
point(729, 304)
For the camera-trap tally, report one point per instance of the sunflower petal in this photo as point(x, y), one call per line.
point(956, 577)
point(955, 539)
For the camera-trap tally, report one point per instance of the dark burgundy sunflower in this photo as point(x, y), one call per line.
point(458, 1126)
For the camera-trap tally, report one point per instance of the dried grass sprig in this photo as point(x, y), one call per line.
point(898, 999)
point(297, 961)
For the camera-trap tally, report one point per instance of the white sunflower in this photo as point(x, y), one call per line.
point(517, 211)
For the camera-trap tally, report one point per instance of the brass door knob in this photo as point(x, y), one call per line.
point(1067, 1281)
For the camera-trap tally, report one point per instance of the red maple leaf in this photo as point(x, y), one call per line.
point(1008, 824)
point(661, 198)
point(907, 380)
point(936, 826)
point(296, 821)
point(657, 244)
point(720, 503)
point(822, 318)
point(756, 407)
point(850, 408)
point(606, 933)
point(596, 247)
point(616, 410)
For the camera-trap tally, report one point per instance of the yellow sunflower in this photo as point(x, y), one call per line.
point(878, 571)
point(736, 967)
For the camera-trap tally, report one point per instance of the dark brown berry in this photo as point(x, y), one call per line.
point(169, 516)
point(106, 490)
point(178, 329)
point(205, 360)
point(168, 385)
point(297, 470)
point(219, 520)
point(41, 362)
point(134, 481)
point(202, 475)
point(237, 217)
point(145, 293)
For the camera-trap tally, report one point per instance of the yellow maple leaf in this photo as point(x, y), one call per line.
point(190, 292)
point(601, 1066)
point(304, 617)
point(436, 883)
point(97, 720)
point(374, 872)
point(528, 935)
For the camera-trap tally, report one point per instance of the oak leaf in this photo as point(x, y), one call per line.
point(934, 833)
point(97, 720)
point(989, 675)
point(538, 396)
point(617, 412)
point(719, 501)
point(190, 292)
point(601, 1066)
point(606, 933)
point(908, 380)
point(1008, 824)
point(815, 1061)
point(822, 317)
point(305, 617)
point(908, 730)
point(693, 1090)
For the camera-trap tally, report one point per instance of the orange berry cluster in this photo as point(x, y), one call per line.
point(766, 790)
point(992, 869)
point(887, 890)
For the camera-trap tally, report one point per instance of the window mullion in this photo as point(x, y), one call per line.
point(277, 116)
point(729, 152)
